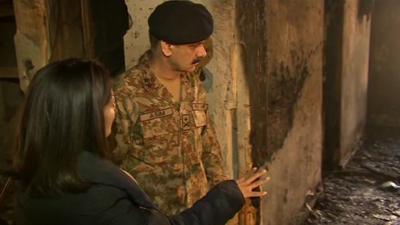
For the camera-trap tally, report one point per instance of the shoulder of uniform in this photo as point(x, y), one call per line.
point(135, 73)
point(132, 78)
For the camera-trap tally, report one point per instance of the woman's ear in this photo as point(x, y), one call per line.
point(166, 48)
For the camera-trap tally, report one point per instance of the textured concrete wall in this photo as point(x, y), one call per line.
point(47, 30)
point(136, 40)
point(384, 88)
point(222, 94)
point(356, 31)
point(294, 73)
point(31, 39)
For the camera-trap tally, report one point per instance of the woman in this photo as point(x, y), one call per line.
point(61, 159)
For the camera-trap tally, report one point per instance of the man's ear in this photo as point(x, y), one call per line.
point(166, 48)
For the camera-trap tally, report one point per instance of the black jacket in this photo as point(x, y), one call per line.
point(115, 199)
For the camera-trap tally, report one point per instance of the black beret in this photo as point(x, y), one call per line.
point(180, 22)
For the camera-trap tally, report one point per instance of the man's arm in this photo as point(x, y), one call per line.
point(212, 156)
point(125, 119)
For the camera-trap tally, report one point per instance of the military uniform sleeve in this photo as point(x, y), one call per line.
point(212, 156)
point(125, 120)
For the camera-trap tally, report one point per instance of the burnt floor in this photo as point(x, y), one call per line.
point(365, 192)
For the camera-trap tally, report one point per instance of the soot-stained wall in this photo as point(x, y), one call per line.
point(294, 49)
point(384, 91)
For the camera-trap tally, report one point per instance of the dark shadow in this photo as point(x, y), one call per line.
point(334, 12)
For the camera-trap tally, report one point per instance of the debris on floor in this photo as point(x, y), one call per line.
point(367, 190)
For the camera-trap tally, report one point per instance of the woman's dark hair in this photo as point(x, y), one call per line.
point(63, 115)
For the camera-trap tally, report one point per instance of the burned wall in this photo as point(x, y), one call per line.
point(354, 84)
point(346, 78)
point(293, 148)
point(383, 103)
point(31, 38)
point(283, 66)
point(333, 60)
point(265, 91)
point(251, 20)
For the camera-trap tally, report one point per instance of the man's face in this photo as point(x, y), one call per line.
point(187, 57)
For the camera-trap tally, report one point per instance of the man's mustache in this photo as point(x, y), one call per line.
point(196, 60)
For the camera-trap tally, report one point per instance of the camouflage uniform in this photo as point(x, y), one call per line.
point(169, 147)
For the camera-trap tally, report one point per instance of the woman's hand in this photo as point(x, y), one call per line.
point(253, 180)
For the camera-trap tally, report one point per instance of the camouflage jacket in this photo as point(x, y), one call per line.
point(169, 147)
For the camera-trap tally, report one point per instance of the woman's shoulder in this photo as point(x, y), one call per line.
point(64, 208)
point(100, 204)
point(100, 197)
point(103, 175)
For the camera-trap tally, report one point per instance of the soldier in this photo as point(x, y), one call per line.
point(164, 135)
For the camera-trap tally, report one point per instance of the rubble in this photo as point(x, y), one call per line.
point(367, 190)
